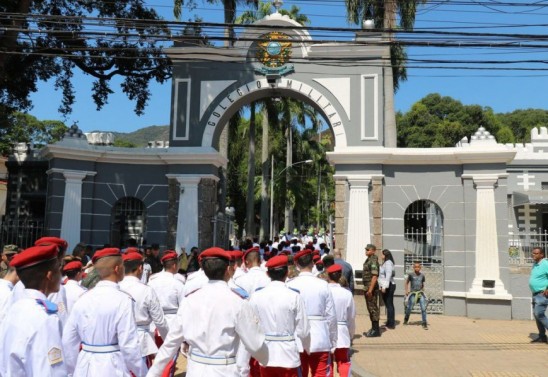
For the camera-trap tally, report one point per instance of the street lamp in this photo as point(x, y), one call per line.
point(272, 187)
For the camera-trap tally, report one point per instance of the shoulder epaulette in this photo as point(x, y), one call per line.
point(294, 289)
point(49, 306)
point(258, 289)
point(241, 292)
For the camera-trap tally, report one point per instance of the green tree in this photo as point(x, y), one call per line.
point(25, 128)
point(62, 46)
point(385, 14)
point(522, 121)
point(437, 121)
point(505, 135)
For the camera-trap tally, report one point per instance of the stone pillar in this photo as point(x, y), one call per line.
point(187, 215)
point(71, 219)
point(376, 206)
point(359, 224)
point(341, 187)
point(487, 256)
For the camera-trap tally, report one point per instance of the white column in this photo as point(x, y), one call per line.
point(187, 216)
point(359, 224)
point(487, 256)
point(71, 219)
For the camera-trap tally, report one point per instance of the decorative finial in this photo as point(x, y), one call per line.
point(369, 23)
point(277, 4)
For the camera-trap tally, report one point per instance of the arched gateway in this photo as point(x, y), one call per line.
point(180, 185)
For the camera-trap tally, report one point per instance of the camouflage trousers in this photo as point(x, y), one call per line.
point(373, 305)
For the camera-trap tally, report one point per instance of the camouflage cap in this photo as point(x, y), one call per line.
point(370, 246)
point(10, 249)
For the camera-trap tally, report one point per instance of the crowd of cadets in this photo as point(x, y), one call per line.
point(265, 310)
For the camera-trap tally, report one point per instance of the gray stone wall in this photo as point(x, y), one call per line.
point(341, 208)
point(207, 208)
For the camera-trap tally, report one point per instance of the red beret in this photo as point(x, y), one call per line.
point(334, 268)
point(108, 252)
point(74, 265)
point(302, 253)
point(34, 255)
point(277, 262)
point(236, 254)
point(59, 242)
point(132, 250)
point(131, 256)
point(251, 250)
point(169, 255)
point(316, 258)
point(215, 252)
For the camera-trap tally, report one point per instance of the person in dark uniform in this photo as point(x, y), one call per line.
point(371, 289)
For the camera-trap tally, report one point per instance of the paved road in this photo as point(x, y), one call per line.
point(452, 347)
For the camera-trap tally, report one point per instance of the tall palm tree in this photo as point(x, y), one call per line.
point(385, 13)
point(248, 17)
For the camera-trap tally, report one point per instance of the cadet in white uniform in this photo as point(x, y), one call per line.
point(6, 289)
point(30, 335)
point(282, 317)
point(346, 319)
point(255, 277)
point(168, 289)
point(194, 281)
point(212, 322)
point(320, 310)
point(73, 271)
point(103, 325)
point(147, 306)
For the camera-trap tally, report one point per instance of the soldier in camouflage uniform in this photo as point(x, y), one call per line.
point(371, 289)
point(8, 253)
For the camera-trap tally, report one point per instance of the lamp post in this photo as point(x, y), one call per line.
point(272, 177)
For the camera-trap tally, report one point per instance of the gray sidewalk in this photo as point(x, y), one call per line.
point(452, 346)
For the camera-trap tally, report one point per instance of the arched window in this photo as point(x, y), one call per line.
point(128, 220)
point(423, 231)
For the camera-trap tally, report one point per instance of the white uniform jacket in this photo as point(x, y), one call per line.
point(255, 278)
point(6, 287)
point(58, 298)
point(194, 281)
point(282, 317)
point(30, 339)
point(320, 310)
point(346, 314)
point(212, 321)
point(102, 323)
point(73, 291)
point(147, 309)
point(170, 293)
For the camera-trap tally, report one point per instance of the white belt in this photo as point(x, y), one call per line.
point(107, 348)
point(279, 338)
point(143, 327)
point(341, 322)
point(316, 318)
point(170, 311)
point(210, 360)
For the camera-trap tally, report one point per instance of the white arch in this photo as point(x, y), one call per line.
point(284, 84)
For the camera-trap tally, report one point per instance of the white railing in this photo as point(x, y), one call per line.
point(520, 246)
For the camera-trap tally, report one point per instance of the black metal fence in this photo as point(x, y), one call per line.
point(22, 233)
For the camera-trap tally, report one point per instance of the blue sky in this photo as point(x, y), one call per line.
point(504, 90)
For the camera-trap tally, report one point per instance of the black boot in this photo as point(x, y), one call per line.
point(406, 319)
point(375, 331)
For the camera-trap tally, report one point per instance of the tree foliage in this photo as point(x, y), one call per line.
point(27, 129)
point(48, 39)
point(437, 121)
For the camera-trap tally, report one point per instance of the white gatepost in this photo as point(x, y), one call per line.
point(487, 254)
point(359, 223)
point(187, 215)
point(71, 219)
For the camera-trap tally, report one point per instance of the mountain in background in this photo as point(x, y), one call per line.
point(141, 137)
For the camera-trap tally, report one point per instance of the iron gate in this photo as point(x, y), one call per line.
point(128, 221)
point(22, 233)
point(423, 234)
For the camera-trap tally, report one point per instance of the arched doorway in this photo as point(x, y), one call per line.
point(128, 220)
point(423, 233)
